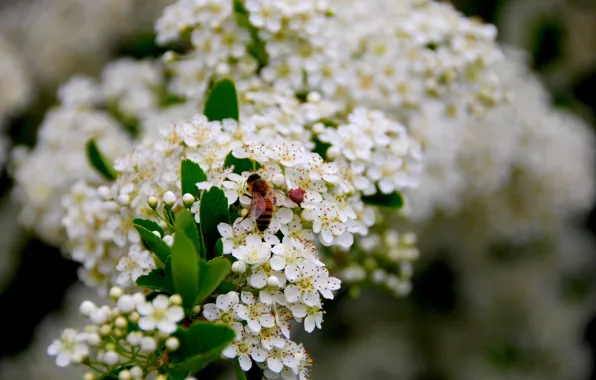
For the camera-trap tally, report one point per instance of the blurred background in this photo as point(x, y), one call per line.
point(507, 309)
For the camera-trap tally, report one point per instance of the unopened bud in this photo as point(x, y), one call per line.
point(196, 309)
point(169, 198)
point(172, 343)
point(188, 199)
point(272, 281)
point(239, 267)
point(156, 233)
point(115, 293)
point(152, 202)
point(176, 300)
point(169, 240)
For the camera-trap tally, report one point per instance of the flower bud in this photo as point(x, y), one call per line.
point(87, 308)
point(278, 179)
point(148, 344)
point(172, 343)
point(103, 191)
point(105, 330)
point(89, 376)
point(273, 281)
point(152, 202)
point(169, 240)
point(110, 358)
point(136, 372)
point(169, 198)
point(110, 347)
point(126, 303)
point(188, 199)
point(161, 377)
point(120, 322)
point(239, 267)
point(196, 309)
point(93, 340)
point(116, 293)
point(134, 338)
point(124, 199)
point(134, 317)
point(156, 233)
point(176, 300)
point(124, 375)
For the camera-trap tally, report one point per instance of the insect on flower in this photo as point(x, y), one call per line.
point(264, 197)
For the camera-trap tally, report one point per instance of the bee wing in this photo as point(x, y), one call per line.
point(280, 199)
point(257, 206)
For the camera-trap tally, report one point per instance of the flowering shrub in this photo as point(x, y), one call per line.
point(212, 232)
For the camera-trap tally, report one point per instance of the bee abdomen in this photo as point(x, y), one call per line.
point(263, 221)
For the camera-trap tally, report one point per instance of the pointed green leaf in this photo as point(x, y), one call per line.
point(187, 221)
point(156, 279)
point(155, 244)
point(393, 200)
point(241, 164)
point(200, 344)
point(150, 225)
point(222, 101)
point(178, 374)
point(99, 161)
point(218, 251)
point(214, 210)
point(185, 271)
point(226, 287)
point(191, 173)
point(211, 274)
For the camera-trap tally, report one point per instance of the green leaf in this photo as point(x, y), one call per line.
point(226, 287)
point(211, 275)
point(214, 210)
point(241, 164)
point(99, 161)
point(185, 271)
point(186, 220)
point(156, 279)
point(149, 224)
point(191, 173)
point(393, 200)
point(201, 344)
point(218, 251)
point(240, 374)
point(222, 101)
point(178, 374)
point(155, 244)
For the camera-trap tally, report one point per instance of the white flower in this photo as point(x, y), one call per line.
point(70, 348)
point(311, 279)
point(137, 263)
point(160, 314)
point(224, 310)
point(245, 347)
point(256, 314)
point(288, 255)
point(255, 251)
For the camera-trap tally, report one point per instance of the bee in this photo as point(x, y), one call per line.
point(264, 197)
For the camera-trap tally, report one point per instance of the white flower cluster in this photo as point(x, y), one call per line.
point(519, 187)
point(134, 328)
point(284, 269)
point(382, 258)
point(426, 50)
point(377, 150)
point(45, 173)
